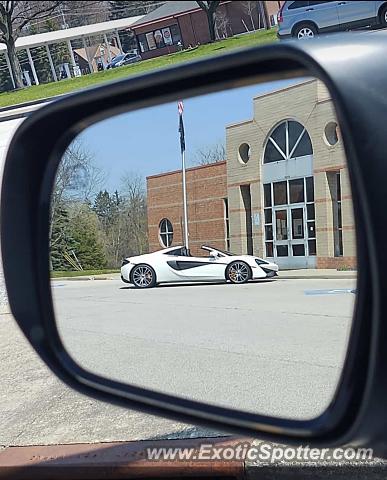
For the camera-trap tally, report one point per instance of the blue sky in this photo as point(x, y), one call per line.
point(146, 142)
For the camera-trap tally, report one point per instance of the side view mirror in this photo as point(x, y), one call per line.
point(286, 185)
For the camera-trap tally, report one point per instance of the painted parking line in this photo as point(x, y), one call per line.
point(332, 291)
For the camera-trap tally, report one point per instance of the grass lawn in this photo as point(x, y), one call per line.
point(79, 273)
point(64, 86)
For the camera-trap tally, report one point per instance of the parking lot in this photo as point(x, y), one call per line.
point(273, 347)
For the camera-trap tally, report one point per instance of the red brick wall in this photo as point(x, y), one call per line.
point(337, 262)
point(200, 26)
point(187, 31)
point(194, 26)
point(272, 7)
point(206, 188)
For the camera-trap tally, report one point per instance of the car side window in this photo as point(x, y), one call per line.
point(176, 253)
point(317, 2)
point(297, 4)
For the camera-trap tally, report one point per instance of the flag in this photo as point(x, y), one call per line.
point(180, 108)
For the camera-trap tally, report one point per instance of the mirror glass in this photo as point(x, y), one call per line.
point(230, 281)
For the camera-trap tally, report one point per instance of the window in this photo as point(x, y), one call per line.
point(267, 194)
point(289, 140)
point(309, 189)
point(151, 40)
point(246, 201)
point(179, 252)
point(338, 215)
point(334, 182)
point(280, 193)
point(166, 232)
point(310, 216)
point(331, 133)
point(226, 223)
point(295, 5)
point(159, 38)
point(244, 153)
point(296, 190)
point(176, 36)
point(142, 43)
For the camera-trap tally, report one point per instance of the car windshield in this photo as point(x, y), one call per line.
point(223, 252)
point(257, 185)
point(118, 58)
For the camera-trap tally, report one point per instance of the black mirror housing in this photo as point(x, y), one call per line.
point(355, 76)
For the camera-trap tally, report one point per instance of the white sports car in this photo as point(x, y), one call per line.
point(175, 264)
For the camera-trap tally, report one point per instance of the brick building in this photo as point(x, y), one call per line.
point(206, 194)
point(283, 192)
point(177, 25)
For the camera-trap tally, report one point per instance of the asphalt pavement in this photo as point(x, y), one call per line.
point(273, 347)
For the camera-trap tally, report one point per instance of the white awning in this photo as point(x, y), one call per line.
point(57, 36)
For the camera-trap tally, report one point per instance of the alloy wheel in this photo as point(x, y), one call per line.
point(305, 32)
point(239, 272)
point(142, 276)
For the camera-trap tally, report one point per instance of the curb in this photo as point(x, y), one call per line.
point(316, 277)
point(4, 309)
point(80, 279)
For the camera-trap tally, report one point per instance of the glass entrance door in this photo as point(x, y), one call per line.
point(281, 234)
point(289, 233)
point(290, 230)
point(298, 237)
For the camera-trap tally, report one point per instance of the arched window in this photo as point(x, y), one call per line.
point(166, 232)
point(289, 140)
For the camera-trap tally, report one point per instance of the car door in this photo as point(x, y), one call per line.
point(197, 268)
point(324, 14)
point(356, 14)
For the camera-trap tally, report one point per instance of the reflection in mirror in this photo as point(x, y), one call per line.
point(145, 288)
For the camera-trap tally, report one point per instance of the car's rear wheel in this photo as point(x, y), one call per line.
point(238, 272)
point(383, 16)
point(304, 31)
point(143, 276)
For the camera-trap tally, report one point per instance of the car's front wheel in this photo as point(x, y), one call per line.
point(238, 272)
point(304, 31)
point(143, 276)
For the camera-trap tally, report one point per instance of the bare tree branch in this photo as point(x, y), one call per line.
point(210, 154)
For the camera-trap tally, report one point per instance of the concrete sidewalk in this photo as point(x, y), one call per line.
point(317, 273)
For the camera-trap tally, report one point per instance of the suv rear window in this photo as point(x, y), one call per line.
point(294, 5)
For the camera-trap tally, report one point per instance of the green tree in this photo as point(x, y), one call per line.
point(89, 247)
point(106, 209)
point(62, 240)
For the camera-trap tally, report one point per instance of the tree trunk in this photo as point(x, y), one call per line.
point(211, 24)
point(14, 64)
point(265, 15)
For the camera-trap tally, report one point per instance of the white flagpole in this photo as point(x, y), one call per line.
point(182, 145)
point(185, 201)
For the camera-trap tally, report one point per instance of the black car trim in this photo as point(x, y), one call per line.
point(182, 265)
